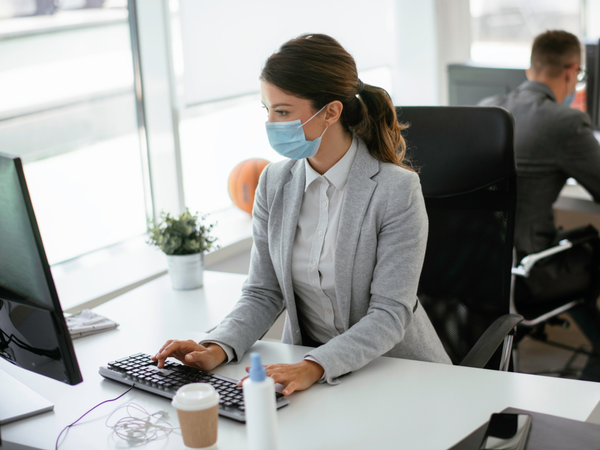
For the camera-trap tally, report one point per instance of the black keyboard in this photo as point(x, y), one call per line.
point(139, 370)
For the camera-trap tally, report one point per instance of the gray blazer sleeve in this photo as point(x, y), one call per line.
point(261, 301)
point(401, 244)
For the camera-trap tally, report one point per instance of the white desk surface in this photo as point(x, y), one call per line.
point(574, 197)
point(388, 404)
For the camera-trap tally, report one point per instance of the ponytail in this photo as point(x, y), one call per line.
point(372, 117)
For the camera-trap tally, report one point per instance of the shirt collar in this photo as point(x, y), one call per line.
point(338, 174)
point(537, 86)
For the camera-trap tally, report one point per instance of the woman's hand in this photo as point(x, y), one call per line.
point(294, 377)
point(191, 354)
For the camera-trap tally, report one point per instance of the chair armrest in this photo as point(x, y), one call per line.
point(490, 340)
point(529, 261)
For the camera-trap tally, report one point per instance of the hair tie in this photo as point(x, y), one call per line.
point(361, 86)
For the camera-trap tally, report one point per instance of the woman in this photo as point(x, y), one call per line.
point(339, 229)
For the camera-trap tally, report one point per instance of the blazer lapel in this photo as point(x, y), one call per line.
point(293, 192)
point(359, 190)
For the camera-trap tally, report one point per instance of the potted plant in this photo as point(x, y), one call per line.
point(184, 240)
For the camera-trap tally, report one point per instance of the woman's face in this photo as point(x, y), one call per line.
point(283, 107)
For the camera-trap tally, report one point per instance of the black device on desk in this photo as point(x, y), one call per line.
point(33, 332)
point(592, 67)
point(507, 432)
point(139, 370)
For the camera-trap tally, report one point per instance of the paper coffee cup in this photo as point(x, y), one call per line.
point(197, 407)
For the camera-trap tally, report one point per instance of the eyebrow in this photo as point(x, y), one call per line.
point(279, 104)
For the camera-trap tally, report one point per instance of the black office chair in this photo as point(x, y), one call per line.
point(464, 156)
point(580, 300)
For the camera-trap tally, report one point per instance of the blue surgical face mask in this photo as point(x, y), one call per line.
point(287, 138)
point(569, 99)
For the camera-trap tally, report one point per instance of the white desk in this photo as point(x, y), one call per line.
point(390, 403)
point(573, 197)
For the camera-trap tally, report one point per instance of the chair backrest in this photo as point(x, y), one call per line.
point(465, 159)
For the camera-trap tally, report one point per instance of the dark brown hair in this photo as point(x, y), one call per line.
point(553, 51)
point(317, 68)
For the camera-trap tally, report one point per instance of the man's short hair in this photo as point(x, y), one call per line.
point(553, 51)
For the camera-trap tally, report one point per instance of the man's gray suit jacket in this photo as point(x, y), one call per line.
point(552, 143)
point(379, 254)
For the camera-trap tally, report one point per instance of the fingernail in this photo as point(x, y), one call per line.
point(285, 392)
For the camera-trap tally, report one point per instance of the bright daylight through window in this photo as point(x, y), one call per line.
point(503, 30)
point(68, 110)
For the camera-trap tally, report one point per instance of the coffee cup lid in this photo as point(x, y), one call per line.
point(195, 396)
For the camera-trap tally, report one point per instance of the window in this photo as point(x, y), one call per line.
point(68, 110)
point(503, 30)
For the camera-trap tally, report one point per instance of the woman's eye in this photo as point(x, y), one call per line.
point(280, 112)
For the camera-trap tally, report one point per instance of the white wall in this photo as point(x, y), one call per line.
point(226, 43)
point(417, 77)
point(593, 19)
point(453, 24)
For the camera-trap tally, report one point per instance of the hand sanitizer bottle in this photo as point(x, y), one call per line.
point(261, 412)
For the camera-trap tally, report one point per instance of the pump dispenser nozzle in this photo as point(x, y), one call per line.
point(257, 370)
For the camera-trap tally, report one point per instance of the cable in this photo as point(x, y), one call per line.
point(138, 430)
point(89, 411)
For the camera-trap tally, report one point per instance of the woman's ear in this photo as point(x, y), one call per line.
point(333, 112)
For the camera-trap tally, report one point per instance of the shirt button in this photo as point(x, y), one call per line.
point(328, 311)
point(324, 203)
point(320, 233)
point(313, 262)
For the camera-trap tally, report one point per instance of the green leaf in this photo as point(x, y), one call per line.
point(183, 235)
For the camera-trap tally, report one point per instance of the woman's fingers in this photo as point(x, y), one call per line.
point(165, 345)
point(177, 349)
point(283, 378)
point(169, 350)
point(199, 359)
point(155, 357)
point(293, 377)
point(291, 387)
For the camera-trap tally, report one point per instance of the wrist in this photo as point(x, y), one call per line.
point(217, 352)
point(315, 369)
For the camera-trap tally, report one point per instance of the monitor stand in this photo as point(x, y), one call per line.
point(17, 401)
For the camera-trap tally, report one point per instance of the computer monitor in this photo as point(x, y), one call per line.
point(33, 331)
point(592, 67)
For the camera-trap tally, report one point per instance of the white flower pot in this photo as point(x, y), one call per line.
point(186, 271)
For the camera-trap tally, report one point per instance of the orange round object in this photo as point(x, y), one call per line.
point(243, 181)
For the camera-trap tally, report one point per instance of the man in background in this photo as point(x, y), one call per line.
point(552, 143)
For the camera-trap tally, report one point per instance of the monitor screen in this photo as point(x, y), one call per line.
point(592, 67)
point(33, 332)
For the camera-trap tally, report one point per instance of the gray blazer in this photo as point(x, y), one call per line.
point(552, 143)
point(379, 254)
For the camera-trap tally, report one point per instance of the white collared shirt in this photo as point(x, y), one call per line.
point(313, 254)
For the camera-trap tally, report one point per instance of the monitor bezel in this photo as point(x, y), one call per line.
point(73, 372)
